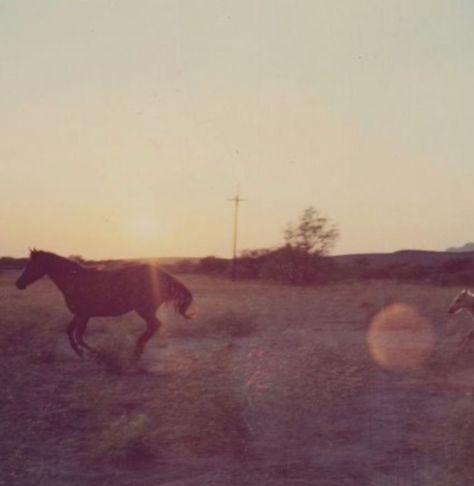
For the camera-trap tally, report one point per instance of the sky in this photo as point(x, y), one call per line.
point(127, 125)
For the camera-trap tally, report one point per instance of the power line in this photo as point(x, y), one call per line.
point(236, 200)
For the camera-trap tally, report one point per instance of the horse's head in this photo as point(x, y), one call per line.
point(462, 301)
point(35, 269)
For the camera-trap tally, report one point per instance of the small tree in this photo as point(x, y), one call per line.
point(314, 234)
point(300, 260)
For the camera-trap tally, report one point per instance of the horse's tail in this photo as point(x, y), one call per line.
point(181, 297)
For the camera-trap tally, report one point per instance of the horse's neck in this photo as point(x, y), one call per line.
point(62, 272)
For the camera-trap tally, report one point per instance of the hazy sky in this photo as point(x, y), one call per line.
point(125, 125)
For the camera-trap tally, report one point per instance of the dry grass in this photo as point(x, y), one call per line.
point(450, 443)
point(268, 384)
point(227, 323)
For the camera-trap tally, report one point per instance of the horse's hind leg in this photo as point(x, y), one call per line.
point(70, 334)
point(79, 333)
point(466, 341)
point(153, 324)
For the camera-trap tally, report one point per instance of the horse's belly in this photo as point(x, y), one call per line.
point(104, 307)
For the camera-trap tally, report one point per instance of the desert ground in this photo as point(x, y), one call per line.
point(268, 385)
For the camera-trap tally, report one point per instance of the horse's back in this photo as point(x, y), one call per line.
point(116, 291)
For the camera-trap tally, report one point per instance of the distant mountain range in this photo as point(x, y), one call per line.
point(468, 247)
point(403, 257)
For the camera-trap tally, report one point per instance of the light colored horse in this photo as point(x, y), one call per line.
point(464, 300)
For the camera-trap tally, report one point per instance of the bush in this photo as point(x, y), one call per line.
point(9, 263)
point(213, 265)
point(250, 264)
point(456, 265)
point(293, 266)
point(182, 266)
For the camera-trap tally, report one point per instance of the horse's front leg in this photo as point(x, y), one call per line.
point(70, 333)
point(79, 333)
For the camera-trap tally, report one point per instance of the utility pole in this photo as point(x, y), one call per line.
point(236, 200)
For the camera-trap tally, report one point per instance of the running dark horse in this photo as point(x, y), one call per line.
point(90, 293)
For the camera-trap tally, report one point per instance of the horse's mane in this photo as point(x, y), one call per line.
point(57, 260)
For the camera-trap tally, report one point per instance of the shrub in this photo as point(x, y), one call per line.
point(213, 265)
point(292, 266)
point(182, 266)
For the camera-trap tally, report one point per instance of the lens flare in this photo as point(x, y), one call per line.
point(400, 338)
